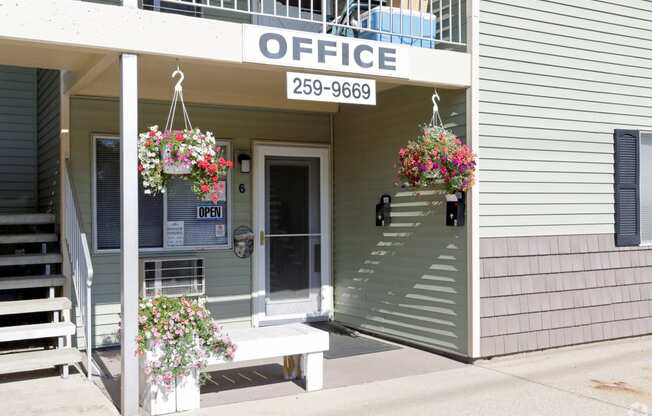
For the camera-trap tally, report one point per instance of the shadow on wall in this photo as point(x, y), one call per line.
point(407, 281)
point(411, 283)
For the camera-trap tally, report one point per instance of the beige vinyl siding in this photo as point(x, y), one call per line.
point(228, 278)
point(406, 281)
point(48, 139)
point(18, 161)
point(556, 78)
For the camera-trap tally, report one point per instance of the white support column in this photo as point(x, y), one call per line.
point(473, 203)
point(129, 232)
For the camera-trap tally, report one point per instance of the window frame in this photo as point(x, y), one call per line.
point(640, 187)
point(225, 143)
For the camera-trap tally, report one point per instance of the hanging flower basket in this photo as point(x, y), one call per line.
point(188, 153)
point(437, 156)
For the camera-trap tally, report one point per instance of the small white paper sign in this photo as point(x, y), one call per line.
point(220, 230)
point(175, 233)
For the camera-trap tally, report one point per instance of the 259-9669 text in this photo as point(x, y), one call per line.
point(318, 87)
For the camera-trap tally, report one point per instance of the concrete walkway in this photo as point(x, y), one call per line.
point(613, 378)
point(47, 394)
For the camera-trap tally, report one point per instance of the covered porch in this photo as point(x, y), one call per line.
point(407, 281)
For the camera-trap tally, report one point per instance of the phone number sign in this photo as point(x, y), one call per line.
point(313, 87)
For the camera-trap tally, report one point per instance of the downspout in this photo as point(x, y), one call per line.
point(473, 140)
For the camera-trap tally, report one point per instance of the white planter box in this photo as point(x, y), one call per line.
point(154, 399)
point(187, 392)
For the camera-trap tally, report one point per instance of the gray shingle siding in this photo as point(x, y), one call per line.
point(550, 291)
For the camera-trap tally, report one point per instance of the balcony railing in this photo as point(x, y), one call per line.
point(421, 23)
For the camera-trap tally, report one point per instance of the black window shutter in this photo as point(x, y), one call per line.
point(626, 171)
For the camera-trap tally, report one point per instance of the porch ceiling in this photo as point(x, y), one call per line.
point(33, 55)
point(207, 83)
point(96, 73)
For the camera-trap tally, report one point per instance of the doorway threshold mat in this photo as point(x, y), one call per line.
point(347, 343)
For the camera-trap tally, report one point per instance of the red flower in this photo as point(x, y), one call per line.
point(214, 178)
point(140, 167)
point(151, 133)
point(179, 137)
point(229, 164)
point(222, 161)
point(212, 168)
point(205, 188)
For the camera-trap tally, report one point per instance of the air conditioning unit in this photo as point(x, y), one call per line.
point(172, 277)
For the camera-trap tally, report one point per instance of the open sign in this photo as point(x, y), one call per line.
point(210, 212)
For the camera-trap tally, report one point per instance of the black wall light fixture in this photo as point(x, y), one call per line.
point(245, 162)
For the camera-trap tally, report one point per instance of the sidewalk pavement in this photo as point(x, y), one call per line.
point(45, 393)
point(609, 378)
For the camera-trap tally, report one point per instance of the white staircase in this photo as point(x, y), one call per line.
point(36, 330)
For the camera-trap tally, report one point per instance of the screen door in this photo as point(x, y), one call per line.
point(290, 249)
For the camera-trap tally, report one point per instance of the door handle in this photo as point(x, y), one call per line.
point(262, 237)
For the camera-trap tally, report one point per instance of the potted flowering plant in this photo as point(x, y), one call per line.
point(186, 152)
point(176, 336)
point(437, 156)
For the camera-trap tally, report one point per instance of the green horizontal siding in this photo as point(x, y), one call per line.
point(406, 281)
point(556, 78)
point(226, 275)
point(18, 139)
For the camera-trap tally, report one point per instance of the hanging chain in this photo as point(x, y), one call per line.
point(435, 120)
point(178, 96)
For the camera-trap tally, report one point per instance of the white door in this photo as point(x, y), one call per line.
point(292, 280)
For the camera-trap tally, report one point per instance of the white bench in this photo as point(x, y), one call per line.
point(289, 341)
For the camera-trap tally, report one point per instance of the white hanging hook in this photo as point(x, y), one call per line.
point(178, 86)
point(435, 121)
point(435, 106)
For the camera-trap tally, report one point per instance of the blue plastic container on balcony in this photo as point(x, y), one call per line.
point(388, 21)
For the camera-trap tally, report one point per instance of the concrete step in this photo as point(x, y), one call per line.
point(27, 282)
point(36, 331)
point(27, 238)
point(36, 360)
point(34, 305)
point(24, 259)
point(19, 219)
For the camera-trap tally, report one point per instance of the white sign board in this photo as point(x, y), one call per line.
point(210, 212)
point(264, 45)
point(175, 233)
point(332, 89)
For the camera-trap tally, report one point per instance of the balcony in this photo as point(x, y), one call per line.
point(432, 24)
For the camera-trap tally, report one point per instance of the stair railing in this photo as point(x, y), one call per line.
point(81, 266)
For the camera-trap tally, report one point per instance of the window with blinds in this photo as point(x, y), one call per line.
point(645, 209)
point(166, 222)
